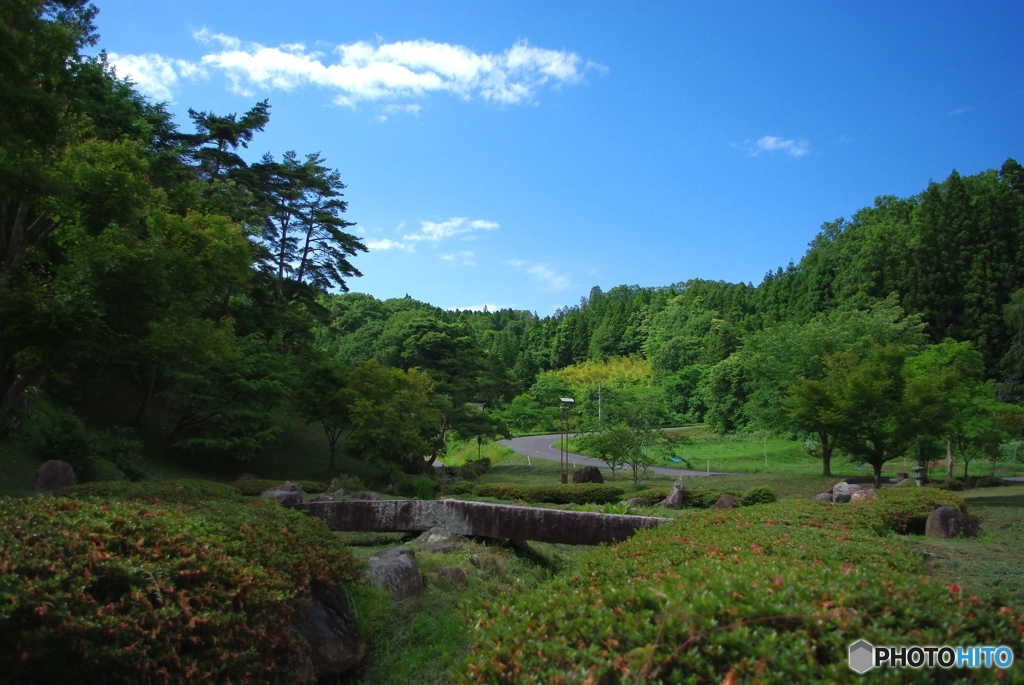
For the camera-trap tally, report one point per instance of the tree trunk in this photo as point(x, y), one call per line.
point(147, 397)
point(826, 455)
point(878, 474)
point(949, 457)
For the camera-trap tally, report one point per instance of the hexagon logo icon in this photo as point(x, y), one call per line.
point(862, 656)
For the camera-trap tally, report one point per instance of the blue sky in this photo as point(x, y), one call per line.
point(518, 153)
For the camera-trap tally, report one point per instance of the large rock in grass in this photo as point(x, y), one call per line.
point(286, 494)
point(863, 495)
point(368, 496)
point(676, 496)
point(726, 501)
point(950, 522)
point(330, 633)
point(841, 492)
point(396, 568)
point(823, 497)
point(53, 475)
point(454, 575)
point(587, 474)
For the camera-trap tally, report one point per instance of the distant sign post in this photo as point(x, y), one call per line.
point(563, 452)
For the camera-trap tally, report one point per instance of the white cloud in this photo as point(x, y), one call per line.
point(387, 244)
point(394, 109)
point(958, 112)
point(552, 280)
point(362, 71)
point(435, 231)
point(154, 75)
point(790, 147)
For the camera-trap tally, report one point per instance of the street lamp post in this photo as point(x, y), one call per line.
point(563, 452)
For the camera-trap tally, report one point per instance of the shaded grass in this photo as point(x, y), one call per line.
point(993, 562)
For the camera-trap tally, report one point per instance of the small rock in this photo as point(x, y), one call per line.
point(330, 633)
point(905, 483)
point(397, 569)
point(53, 475)
point(637, 502)
point(587, 474)
point(323, 497)
point(286, 494)
point(246, 476)
point(863, 494)
point(726, 501)
point(442, 548)
point(454, 575)
point(676, 496)
point(371, 496)
point(950, 522)
point(842, 491)
point(823, 497)
point(436, 535)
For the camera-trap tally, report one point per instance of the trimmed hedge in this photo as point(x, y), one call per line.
point(773, 593)
point(582, 493)
point(256, 487)
point(189, 492)
point(702, 499)
point(98, 590)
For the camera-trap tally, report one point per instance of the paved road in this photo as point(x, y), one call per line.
point(541, 446)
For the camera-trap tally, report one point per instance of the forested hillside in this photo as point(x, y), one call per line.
point(160, 294)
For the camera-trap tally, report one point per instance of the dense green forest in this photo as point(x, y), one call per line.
point(160, 294)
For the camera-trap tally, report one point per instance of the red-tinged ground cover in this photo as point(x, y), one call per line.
point(767, 594)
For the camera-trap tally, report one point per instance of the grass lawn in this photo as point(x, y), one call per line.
point(995, 560)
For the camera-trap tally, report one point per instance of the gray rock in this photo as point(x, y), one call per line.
point(286, 498)
point(396, 568)
point(587, 474)
point(841, 491)
point(637, 502)
point(864, 494)
point(289, 486)
point(950, 522)
point(435, 535)
point(323, 497)
point(676, 496)
point(726, 501)
point(823, 497)
point(53, 475)
point(247, 476)
point(330, 633)
point(443, 548)
point(454, 575)
point(905, 483)
point(372, 496)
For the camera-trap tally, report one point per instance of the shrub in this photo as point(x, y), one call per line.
point(583, 493)
point(346, 483)
point(761, 494)
point(734, 596)
point(257, 486)
point(472, 469)
point(96, 590)
point(954, 484)
point(425, 487)
point(460, 488)
point(654, 495)
point(189, 492)
point(94, 455)
point(988, 482)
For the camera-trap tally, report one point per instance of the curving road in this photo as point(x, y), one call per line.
point(542, 447)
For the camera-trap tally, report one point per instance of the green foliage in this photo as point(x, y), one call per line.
point(184, 492)
point(746, 591)
point(425, 487)
point(585, 493)
point(131, 592)
point(258, 485)
point(472, 469)
point(94, 455)
point(758, 495)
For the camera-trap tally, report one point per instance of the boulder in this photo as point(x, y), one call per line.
point(676, 496)
point(726, 501)
point(324, 497)
point(373, 496)
point(397, 569)
point(864, 494)
point(286, 494)
point(330, 633)
point(587, 474)
point(247, 476)
point(53, 475)
point(435, 535)
point(949, 522)
point(823, 497)
point(637, 502)
point(454, 575)
point(842, 491)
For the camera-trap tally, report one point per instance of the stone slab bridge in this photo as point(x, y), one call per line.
point(481, 519)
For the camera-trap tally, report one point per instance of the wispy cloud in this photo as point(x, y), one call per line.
point(361, 71)
point(435, 231)
point(462, 256)
point(792, 148)
point(959, 111)
point(542, 273)
point(387, 244)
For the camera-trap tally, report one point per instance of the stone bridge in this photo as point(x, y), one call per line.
point(481, 519)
